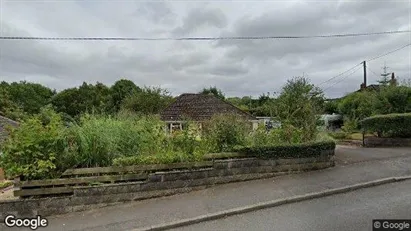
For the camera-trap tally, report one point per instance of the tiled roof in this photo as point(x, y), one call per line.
point(199, 107)
point(4, 122)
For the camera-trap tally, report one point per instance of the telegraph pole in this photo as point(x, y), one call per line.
point(365, 73)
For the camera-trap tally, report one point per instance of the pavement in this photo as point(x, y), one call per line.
point(354, 165)
point(351, 211)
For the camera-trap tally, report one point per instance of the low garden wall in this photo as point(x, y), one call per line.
point(387, 142)
point(235, 167)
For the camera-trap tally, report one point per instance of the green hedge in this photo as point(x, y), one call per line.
point(389, 125)
point(288, 151)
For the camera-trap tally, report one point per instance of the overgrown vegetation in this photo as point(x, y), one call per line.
point(360, 105)
point(96, 125)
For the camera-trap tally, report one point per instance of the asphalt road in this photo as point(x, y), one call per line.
point(350, 211)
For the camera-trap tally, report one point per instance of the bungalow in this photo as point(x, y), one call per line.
point(199, 108)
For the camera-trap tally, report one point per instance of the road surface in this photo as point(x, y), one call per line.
point(350, 211)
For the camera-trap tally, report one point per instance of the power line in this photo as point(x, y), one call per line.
point(390, 52)
point(374, 58)
point(342, 73)
point(373, 72)
point(343, 78)
point(203, 38)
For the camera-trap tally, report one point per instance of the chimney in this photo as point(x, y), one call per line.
point(393, 80)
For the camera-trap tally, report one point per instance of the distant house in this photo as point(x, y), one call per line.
point(4, 123)
point(269, 122)
point(199, 108)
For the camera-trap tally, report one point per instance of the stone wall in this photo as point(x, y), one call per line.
point(164, 184)
point(386, 142)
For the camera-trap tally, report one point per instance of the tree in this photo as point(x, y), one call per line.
point(393, 99)
point(358, 105)
point(8, 108)
point(30, 97)
point(299, 105)
point(119, 91)
point(86, 98)
point(150, 100)
point(331, 107)
point(214, 91)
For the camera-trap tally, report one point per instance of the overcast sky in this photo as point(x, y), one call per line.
point(237, 67)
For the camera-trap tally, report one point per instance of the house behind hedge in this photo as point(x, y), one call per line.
point(199, 108)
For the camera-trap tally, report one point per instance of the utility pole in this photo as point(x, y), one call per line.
point(365, 73)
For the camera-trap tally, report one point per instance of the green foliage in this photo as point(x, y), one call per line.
point(331, 107)
point(288, 134)
point(161, 158)
point(35, 148)
point(389, 99)
point(358, 105)
point(97, 140)
point(393, 99)
point(390, 125)
point(338, 135)
point(85, 99)
point(303, 150)
point(350, 125)
point(19, 100)
point(214, 91)
point(147, 101)
point(299, 105)
point(5, 184)
point(30, 97)
point(121, 89)
point(226, 131)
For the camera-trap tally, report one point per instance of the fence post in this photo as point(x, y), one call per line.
point(363, 137)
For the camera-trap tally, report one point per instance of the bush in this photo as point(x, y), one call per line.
point(226, 131)
point(390, 125)
point(35, 149)
point(288, 151)
point(350, 125)
point(358, 105)
point(338, 135)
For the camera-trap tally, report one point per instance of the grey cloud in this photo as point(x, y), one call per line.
point(157, 12)
point(237, 67)
point(201, 17)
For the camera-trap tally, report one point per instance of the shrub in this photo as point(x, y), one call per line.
point(298, 105)
point(226, 131)
point(288, 151)
point(34, 149)
point(338, 135)
point(350, 125)
point(390, 125)
point(358, 105)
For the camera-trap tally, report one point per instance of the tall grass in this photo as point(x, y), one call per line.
point(44, 147)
